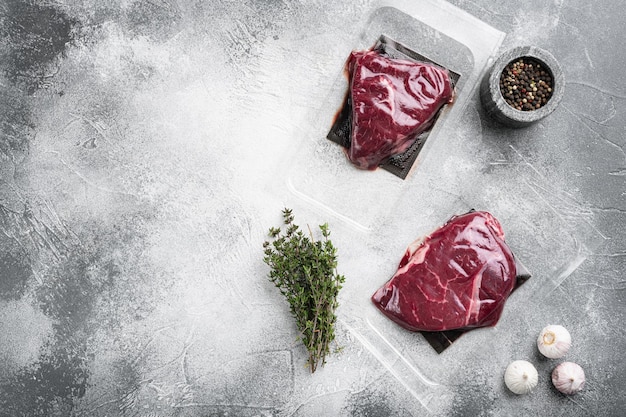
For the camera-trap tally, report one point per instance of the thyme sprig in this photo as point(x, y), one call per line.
point(305, 272)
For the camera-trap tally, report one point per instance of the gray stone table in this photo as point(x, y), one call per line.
point(146, 147)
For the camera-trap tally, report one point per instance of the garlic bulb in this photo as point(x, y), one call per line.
point(554, 341)
point(521, 377)
point(569, 378)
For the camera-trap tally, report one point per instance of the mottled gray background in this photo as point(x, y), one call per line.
point(141, 150)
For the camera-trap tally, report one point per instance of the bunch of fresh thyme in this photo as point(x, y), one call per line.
point(304, 270)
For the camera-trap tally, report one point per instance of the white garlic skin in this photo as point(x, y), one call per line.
point(521, 377)
point(554, 341)
point(568, 378)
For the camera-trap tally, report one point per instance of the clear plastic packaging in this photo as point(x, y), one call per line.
point(546, 229)
point(445, 35)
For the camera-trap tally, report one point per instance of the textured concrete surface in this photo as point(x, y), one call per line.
point(141, 148)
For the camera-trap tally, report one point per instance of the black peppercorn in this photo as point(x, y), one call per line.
point(525, 85)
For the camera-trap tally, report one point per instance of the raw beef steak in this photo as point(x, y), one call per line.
point(393, 101)
point(458, 277)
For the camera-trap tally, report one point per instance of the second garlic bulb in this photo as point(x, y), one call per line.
point(521, 377)
point(569, 378)
point(554, 341)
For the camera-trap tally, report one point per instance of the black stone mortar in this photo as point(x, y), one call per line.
point(493, 101)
